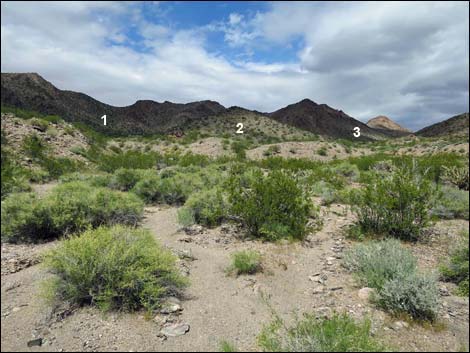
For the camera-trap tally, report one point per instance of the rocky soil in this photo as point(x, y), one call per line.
point(60, 139)
point(297, 278)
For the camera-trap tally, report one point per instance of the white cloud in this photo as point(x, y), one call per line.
point(366, 59)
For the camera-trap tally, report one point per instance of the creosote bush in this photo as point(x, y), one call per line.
point(271, 206)
point(207, 207)
point(69, 208)
point(397, 205)
point(339, 333)
point(115, 268)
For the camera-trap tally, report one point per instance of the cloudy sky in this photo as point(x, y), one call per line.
point(409, 61)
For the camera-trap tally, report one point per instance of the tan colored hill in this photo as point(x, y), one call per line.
point(387, 126)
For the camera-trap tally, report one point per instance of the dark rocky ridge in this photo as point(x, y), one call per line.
point(323, 120)
point(457, 124)
point(31, 91)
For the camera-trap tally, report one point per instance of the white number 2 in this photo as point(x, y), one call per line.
point(104, 118)
point(357, 132)
point(240, 128)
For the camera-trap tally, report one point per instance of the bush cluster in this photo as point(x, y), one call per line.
point(271, 206)
point(207, 207)
point(397, 205)
point(69, 208)
point(115, 267)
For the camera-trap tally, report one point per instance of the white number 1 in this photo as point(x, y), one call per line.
point(104, 118)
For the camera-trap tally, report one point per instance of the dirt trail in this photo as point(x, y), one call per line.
point(217, 306)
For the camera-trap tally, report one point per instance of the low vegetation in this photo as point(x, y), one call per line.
point(456, 270)
point(392, 270)
point(271, 206)
point(339, 333)
point(245, 262)
point(116, 268)
point(396, 205)
point(69, 208)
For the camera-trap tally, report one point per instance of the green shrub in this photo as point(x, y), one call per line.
point(95, 180)
point(271, 150)
point(339, 333)
point(397, 205)
point(54, 119)
point(456, 270)
point(39, 123)
point(246, 262)
point(128, 159)
point(322, 151)
point(375, 263)
point(451, 203)
point(347, 170)
point(68, 208)
point(22, 218)
point(239, 148)
point(226, 346)
point(457, 176)
point(207, 207)
point(34, 146)
point(272, 206)
point(186, 217)
point(170, 190)
point(114, 268)
point(416, 294)
point(125, 179)
point(14, 177)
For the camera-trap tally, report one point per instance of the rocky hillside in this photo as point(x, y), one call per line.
point(458, 124)
point(323, 120)
point(31, 91)
point(387, 126)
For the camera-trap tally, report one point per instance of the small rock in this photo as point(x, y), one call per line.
point(15, 309)
point(398, 325)
point(171, 309)
point(365, 293)
point(318, 290)
point(35, 343)
point(175, 330)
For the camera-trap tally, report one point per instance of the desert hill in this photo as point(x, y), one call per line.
point(457, 124)
point(388, 126)
point(31, 91)
point(323, 120)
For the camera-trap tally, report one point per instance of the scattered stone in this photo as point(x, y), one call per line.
point(398, 325)
point(444, 291)
point(365, 293)
point(175, 330)
point(35, 343)
point(318, 290)
point(171, 309)
point(194, 229)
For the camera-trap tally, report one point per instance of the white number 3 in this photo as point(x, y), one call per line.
point(357, 132)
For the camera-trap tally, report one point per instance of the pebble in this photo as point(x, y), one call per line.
point(175, 330)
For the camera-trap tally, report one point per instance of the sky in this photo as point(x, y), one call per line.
point(406, 60)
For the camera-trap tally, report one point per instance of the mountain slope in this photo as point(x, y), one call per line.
point(323, 120)
point(457, 124)
point(31, 91)
point(387, 126)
